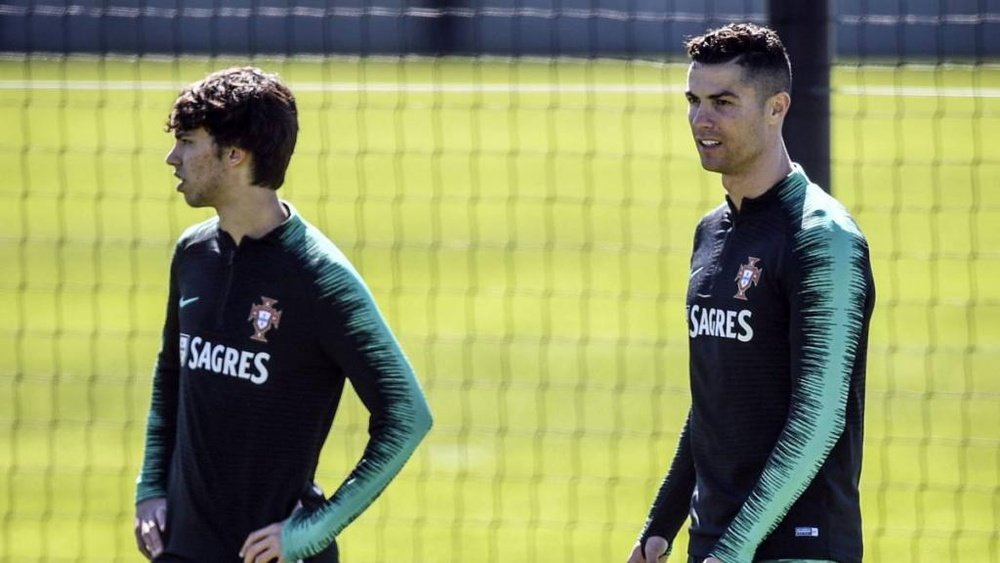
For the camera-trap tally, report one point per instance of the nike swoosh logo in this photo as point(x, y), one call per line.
point(695, 272)
point(188, 301)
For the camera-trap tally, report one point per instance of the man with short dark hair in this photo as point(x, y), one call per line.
point(779, 301)
point(266, 320)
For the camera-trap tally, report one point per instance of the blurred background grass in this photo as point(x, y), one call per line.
point(525, 226)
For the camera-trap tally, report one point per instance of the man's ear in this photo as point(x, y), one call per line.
point(778, 106)
point(235, 156)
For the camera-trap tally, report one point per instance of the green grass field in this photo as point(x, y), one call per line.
point(525, 226)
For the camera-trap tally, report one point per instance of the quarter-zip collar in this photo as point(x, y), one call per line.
point(272, 236)
point(750, 205)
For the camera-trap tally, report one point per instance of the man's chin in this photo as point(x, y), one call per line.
point(194, 201)
point(713, 166)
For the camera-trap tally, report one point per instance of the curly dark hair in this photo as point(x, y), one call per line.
point(247, 108)
point(756, 48)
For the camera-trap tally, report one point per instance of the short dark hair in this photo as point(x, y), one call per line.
point(246, 108)
point(756, 48)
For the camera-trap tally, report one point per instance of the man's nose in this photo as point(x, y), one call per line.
point(172, 158)
point(700, 118)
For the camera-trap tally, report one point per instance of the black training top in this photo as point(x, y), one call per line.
point(778, 307)
point(257, 343)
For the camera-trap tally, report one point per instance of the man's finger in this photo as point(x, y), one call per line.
point(269, 554)
point(139, 541)
point(636, 555)
point(151, 537)
point(261, 551)
point(160, 514)
point(250, 550)
point(256, 536)
point(150, 526)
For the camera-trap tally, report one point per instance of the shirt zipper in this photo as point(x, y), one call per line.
point(220, 312)
point(720, 264)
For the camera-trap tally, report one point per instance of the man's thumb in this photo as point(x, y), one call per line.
point(656, 547)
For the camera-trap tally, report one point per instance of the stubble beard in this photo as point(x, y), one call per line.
point(717, 165)
point(205, 194)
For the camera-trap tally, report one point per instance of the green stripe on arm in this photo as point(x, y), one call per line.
point(161, 422)
point(362, 344)
point(160, 438)
point(832, 297)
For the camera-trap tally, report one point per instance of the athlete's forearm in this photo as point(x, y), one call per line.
point(394, 436)
point(161, 422)
point(359, 340)
point(160, 428)
point(672, 503)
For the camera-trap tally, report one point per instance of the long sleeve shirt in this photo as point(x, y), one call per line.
point(778, 307)
point(258, 342)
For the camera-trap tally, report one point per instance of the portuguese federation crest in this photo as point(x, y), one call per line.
point(748, 275)
point(263, 318)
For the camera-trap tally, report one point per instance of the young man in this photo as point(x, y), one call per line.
point(778, 306)
point(265, 321)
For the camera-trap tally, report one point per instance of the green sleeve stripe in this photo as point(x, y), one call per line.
point(152, 480)
point(161, 422)
point(833, 289)
point(308, 534)
point(382, 376)
point(405, 425)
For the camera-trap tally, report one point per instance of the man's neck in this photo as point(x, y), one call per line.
point(758, 179)
point(253, 213)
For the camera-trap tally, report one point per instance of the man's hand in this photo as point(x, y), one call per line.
point(151, 526)
point(711, 560)
point(656, 550)
point(264, 545)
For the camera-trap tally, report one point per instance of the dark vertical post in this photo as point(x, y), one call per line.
point(804, 28)
point(445, 32)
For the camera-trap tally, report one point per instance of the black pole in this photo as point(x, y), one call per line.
point(804, 27)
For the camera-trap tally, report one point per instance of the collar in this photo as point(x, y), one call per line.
point(795, 179)
point(275, 235)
